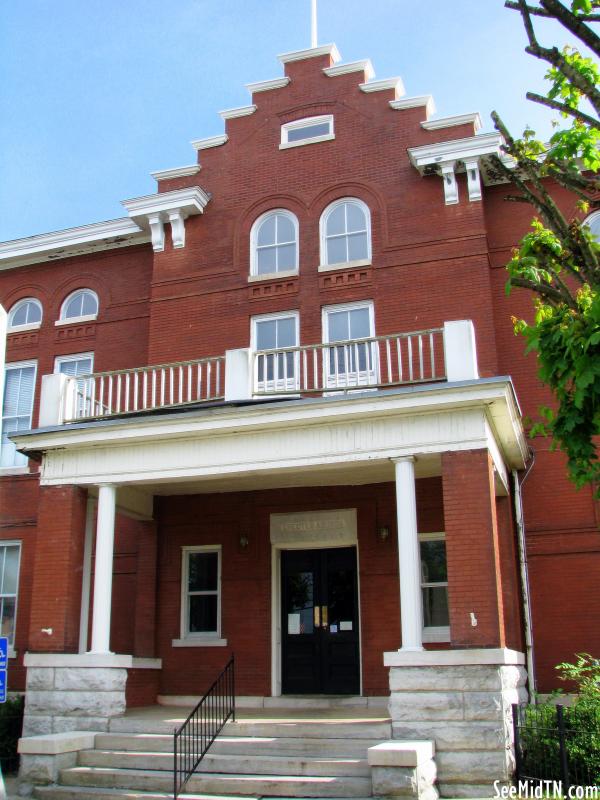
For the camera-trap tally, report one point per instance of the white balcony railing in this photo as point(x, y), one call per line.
point(379, 361)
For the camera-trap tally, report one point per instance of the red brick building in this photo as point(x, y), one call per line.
point(327, 464)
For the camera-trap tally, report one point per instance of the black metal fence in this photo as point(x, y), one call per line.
point(557, 743)
point(192, 740)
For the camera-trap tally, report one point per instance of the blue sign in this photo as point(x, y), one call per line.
point(3, 652)
point(2, 686)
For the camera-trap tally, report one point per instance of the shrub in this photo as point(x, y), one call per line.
point(11, 725)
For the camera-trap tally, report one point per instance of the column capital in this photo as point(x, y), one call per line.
point(403, 460)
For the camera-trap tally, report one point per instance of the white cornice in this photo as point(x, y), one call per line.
point(450, 122)
point(364, 65)
point(425, 100)
point(266, 86)
point(191, 200)
point(176, 172)
point(312, 52)
point(212, 141)
point(242, 111)
point(384, 85)
point(471, 148)
point(70, 242)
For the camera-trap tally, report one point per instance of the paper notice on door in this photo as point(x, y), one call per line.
point(346, 625)
point(333, 629)
point(293, 624)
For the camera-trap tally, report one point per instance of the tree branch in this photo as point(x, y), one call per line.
point(543, 289)
point(540, 12)
point(554, 56)
point(572, 22)
point(564, 109)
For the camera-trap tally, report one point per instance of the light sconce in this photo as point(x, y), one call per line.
point(244, 541)
point(383, 532)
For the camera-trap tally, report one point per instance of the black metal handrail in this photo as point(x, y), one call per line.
point(192, 740)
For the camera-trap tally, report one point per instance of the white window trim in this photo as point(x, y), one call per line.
point(253, 337)
point(284, 273)
point(592, 218)
point(72, 357)
point(188, 639)
point(27, 326)
point(62, 320)
point(325, 266)
point(439, 633)
point(18, 543)
point(304, 123)
point(371, 374)
point(20, 468)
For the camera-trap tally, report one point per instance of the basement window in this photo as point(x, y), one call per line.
point(307, 131)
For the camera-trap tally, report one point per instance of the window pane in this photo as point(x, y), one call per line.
point(286, 332)
point(73, 307)
point(286, 257)
point(435, 607)
point(203, 572)
point(336, 250)
point(360, 327)
point(266, 232)
point(336, 221)
point(338, 326)
point(7, 618)
point(266, 334)
point(266, 260)
point(80, 366)
point(355, 216)
point(285, 229)
point(357, 246)
point(11, 568)
point(433, 562)
point(89, 306)
point(595, 227)
point(203, 613)
point(308, 131)
point(20, 315)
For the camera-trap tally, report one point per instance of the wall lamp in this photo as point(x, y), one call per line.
point(383, 532)
point(244, 541)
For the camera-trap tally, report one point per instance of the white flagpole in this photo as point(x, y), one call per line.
point(313, 24)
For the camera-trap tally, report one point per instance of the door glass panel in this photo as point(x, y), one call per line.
point(300, 602)
point(340, 584)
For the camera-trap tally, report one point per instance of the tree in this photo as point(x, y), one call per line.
point(559, 259)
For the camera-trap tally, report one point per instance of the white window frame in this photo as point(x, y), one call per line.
point(595, 215)
point(360, 379)
point(433, 633)
point(284, 273)
point(17, 468)
point(19, 544)
point(83, 392)
point(307, 122)
point(283, 384)
point(85, 317)
point(325, 266)
point(206, 639)
point(28, 326)
point(72, 357)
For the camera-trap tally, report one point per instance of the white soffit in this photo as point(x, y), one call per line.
point(418, 101)
point(176, 172)
point(266, 86)
point(312, 52)
point(242, 111)
point(212, 141)
point(450, 122)
point(384, 85)
point(69, 242)
point(364, 65)
point(191, 200)
point(455, 150)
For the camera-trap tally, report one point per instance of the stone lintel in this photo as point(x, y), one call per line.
point(450, 658)
point(90, 660)
point(400, 754)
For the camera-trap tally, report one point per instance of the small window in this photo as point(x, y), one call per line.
point(82, 304)
point(434, 586)
point(73, 366)
point(17, 407)
point(25, 315)
point(274, 243)
point(307, 131)
point(352, 362)
point(10, 556)
point(276, 372)
point(201, 592)
point(345, 233)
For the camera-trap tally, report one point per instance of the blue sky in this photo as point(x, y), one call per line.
point(96, 94)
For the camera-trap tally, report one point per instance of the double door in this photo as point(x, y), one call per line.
point(320, 638)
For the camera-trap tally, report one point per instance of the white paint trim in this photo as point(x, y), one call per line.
point(76, 320)
point(234, 113)
point(273, 276)
point(328, 137)
point(364, 65)
point(450, 122)
point(307, 122)
point(199, 641)
point(176, 172)
point(472, 147)
point(323, 231)
point(30, 326)
point(191, 200)
point(361, 262)
point(266, 86)
point(89, 660)
point(384, 85)
point(450, 658)
point(311, 52)
point(13, 470)
point(73, 357)
point(211, 141)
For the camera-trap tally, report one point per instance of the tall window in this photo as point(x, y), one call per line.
point(201, 591)
point(352, 362)
point(26, 314)
point(73, 366)
point(17, 408)
point(274, 243)
point(434, 586)
point(345, 232)
point(275, 371)
point(81, 304)
point(10, 553)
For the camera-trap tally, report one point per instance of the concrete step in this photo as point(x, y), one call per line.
point(220, 784)
point(241, 745)
point(77, 793)
point(230, 764)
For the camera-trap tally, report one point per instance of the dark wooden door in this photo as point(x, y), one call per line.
point(320, 645)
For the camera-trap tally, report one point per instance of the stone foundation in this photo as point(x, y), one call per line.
point(461, 700)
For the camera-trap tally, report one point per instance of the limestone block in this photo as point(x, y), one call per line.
point(466, 790)
point(90, 680)
point(513, 677)
point(55, 743)
point(66, 724)
point(453, 736)
point(417, 782)
point(442, 678)
point(484, 706)
point(426, 705)
point(40, 678)
point(400, 754)
point(34, 725)
point(473, 767)
point(67, 703)
point(43, 769)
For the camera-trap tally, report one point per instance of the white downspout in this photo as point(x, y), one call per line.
point(525, 573)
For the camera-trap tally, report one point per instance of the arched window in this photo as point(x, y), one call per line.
point(593, 221)
point(274, 243)
point(82, 303)
point(27, 313)
point(345, 232)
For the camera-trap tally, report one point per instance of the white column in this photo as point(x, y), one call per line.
point(105, 537)
point(408, 555)
point(86, 580)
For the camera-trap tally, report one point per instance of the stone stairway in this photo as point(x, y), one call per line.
point(275, 753)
